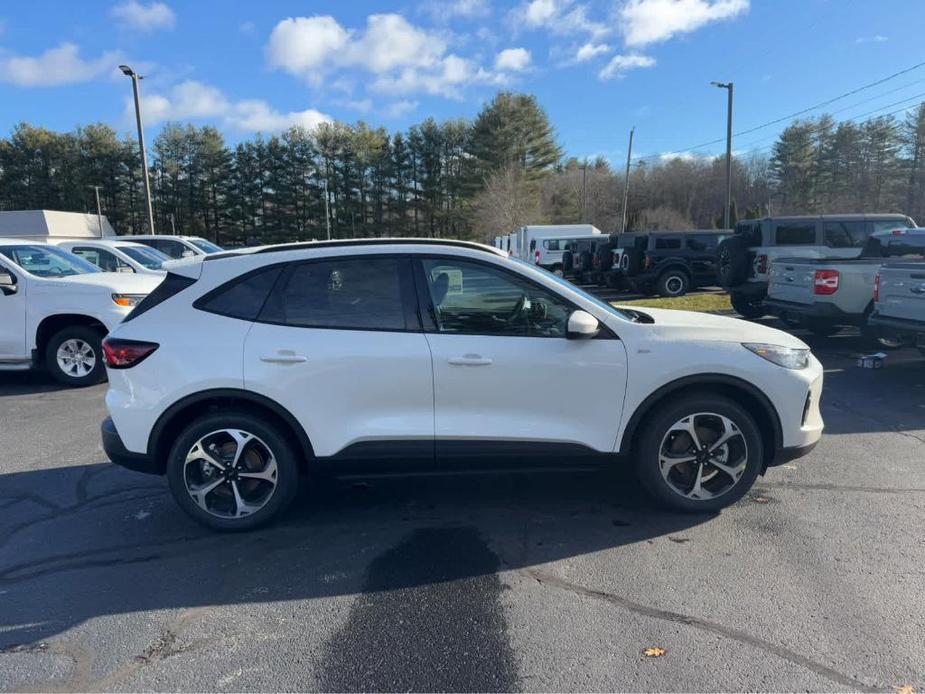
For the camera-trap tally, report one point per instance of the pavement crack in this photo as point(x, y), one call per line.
point(739, 635)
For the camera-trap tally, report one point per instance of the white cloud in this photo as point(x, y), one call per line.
point(562, 17)
point(445, 10)
point(589, 51)
point(192, 100)
point(619, 65)
point(400, 108)
point(878, 38)
point(403, 58)
point(56, 66)
point(650, 21)
point(247, 27)
point(513, 60)
point(683, 156)
point(150, 17)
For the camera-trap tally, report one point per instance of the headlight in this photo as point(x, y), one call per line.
point(788, 357)
point(127, 300)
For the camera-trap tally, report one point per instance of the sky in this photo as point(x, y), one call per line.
point(598, 67)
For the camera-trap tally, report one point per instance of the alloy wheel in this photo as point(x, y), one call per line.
point(76, 358)
point(703, 456)
point(230, 473)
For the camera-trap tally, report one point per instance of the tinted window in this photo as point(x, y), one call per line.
point(348, 293)
point(174, 249)
point(796, 233)
point(473, 298)
point(669, 244)
point(47, 261)
point(144, 256)
point(845, 234)
point(241, 298)
point(205, 246)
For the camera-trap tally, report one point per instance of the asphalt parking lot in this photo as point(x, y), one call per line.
point(529, 581)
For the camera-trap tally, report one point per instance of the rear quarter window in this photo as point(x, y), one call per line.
point(795, 234)
point(241, 298)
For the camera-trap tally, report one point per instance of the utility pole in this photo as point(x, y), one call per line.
point(99, 210)
point(327, 212)
point(728, 87)
point(129, 72)
point(626, 179)
point(584, 192)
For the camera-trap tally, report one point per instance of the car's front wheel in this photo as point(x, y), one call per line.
point(701, 453)
point(74, 356)
point(233, 471)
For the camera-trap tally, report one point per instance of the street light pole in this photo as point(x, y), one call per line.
point(728, 87)
point(129, 72)
point(626, 179)
point(99, 210)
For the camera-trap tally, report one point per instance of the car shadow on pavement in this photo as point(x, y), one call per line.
point(27, 383)
point(82, 542)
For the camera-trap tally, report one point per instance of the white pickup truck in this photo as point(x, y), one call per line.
point(55, 309)
point(899, 300)
point(824, 294)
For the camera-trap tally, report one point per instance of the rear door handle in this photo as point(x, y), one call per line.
point(283, 357)
point(470, 360)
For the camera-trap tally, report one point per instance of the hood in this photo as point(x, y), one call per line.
point(115, 282)
point(707, 327)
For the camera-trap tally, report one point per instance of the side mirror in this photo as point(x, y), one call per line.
point(582, 326)
point(7, 283)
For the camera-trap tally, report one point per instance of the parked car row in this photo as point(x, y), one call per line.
point(826, 272)
point(60, 297)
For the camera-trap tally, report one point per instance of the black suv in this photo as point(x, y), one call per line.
point(669, 262)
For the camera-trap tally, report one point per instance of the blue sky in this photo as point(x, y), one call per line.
point(597, 66)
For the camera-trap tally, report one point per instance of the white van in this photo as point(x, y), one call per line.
point(543, 244)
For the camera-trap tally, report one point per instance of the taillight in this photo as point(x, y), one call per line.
point(536, 257)
point(877, 287)
point(124, 354)
point(762, 267)
point(825, 282)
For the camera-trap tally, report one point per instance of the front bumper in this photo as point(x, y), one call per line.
point(120, 455)
point(785, 455)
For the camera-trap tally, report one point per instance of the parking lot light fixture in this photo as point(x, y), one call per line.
point(129, 72)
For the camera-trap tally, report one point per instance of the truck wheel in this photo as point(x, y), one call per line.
point(701, 453)
point(233, 471)
point(747, 307)
point(732, 261)
point(673, 283)
point(74, 356)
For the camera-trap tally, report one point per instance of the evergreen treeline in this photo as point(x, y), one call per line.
point(454, 179)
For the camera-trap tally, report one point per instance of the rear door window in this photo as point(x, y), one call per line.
point(103, 259)
point(845, 234)
point(349, 293)
point(667, 244)
point(795, 233)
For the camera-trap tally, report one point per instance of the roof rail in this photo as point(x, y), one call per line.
point(306, 245)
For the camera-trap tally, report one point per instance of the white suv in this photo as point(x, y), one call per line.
point(247, 368)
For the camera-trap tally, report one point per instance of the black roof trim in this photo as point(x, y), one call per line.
point(307, 245)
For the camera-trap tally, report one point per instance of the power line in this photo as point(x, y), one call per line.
point(694, 148)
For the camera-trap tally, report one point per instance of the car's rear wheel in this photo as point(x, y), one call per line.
point(673, 283)
point(74, 356)
point(233, 471)
point(701, 453)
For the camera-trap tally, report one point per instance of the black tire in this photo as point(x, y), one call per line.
point(746, 306)
point(732, 263)
point(584, 261)
point(75, 376)
point(672, 283)
point(267, 435)
point(646, 456)
point(823, 329)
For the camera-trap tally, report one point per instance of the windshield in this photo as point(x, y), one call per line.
point(590, 297)
point(146, 257)
point(205, 246)
point(47, 261)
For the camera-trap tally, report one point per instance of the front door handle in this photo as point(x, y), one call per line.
point(283, 357)
point(470, 360)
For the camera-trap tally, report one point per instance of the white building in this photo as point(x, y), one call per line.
point(40, 224)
